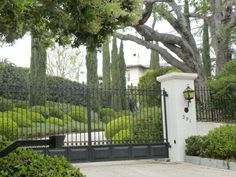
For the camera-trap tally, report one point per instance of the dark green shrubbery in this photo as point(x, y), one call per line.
point(6, 104)
point(218, 143)
point(145, 126)
point(24, 162)
point(106, 114)
point(14, 84)
point(196, 145)
point(148, 81)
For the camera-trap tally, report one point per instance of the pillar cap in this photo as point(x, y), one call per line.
point(177, 76)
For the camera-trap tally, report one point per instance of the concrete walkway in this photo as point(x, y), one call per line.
point(150, 168)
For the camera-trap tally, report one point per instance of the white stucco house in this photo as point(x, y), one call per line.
point(133, 73)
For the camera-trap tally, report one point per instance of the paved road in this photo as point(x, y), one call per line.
point(150, 168)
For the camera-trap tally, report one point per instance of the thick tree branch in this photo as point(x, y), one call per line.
point(163, 52)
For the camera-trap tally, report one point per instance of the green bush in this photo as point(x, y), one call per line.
point(196, 146)
point(148, 125)
point(21, 120)
point(113, 127)
point(148, 81)
point(55, 120)
point(25, 162)
point(221, 142)
point(55, 111)
point(8, 128)
point(123, 136)
point(30, 115)
point(78, 113)
point(42, 110)
point(107, 114)
point(21, 103)
point(6, 104)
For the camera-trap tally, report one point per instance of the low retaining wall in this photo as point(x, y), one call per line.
point(204, 127)
point(215, 163)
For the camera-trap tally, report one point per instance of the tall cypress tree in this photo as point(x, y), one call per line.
point(38, 71)
point(92, 77)
point(206, 50)
point(115, 75)
point(122, 68)
point(154, 60)
point(106, 65)
point(91, 65)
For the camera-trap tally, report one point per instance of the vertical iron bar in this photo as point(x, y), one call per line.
point(165, 94)
point(89, 123)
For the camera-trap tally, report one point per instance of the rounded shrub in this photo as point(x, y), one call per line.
point(123, 136)
point(25, 162)
point(21, 120)
point(8, 128)
point(55, 111)
point(42, 110)
point(55, 120)
point(196, 145)
point(78, 113)
point(106, 113)
point(221, 142)
point(113, 127)
point(30, 115)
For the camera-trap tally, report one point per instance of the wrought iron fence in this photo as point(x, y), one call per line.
point(213, 107)
point(89, 116)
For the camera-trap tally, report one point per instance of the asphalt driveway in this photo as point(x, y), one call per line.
point(150, 168)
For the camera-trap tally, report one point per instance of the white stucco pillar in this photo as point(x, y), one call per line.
point(180, 124)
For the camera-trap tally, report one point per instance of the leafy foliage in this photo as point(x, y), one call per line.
point(6, 104)
point(24, 162)
point(55, 120)
point(148, 81)
point(78, 113)
point(123, 136)
point(21, 120)
point(224, 83)
point(113, 127)
point(218, 143)
point(8, 128)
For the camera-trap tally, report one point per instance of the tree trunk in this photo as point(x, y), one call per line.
point(38, 72)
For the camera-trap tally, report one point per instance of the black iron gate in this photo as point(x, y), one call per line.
point(99, 124)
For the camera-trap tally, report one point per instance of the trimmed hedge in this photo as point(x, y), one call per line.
point(123, 136)
point(8, 128)
point(55, 120)
point(30, 115)
point(78, 113)
point(21, 120)
point(6, 104)
point(14, 84)
point(113, 127)
point(219, 143)
point(25, 162)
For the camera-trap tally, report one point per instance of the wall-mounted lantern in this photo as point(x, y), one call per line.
point(188, 95)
